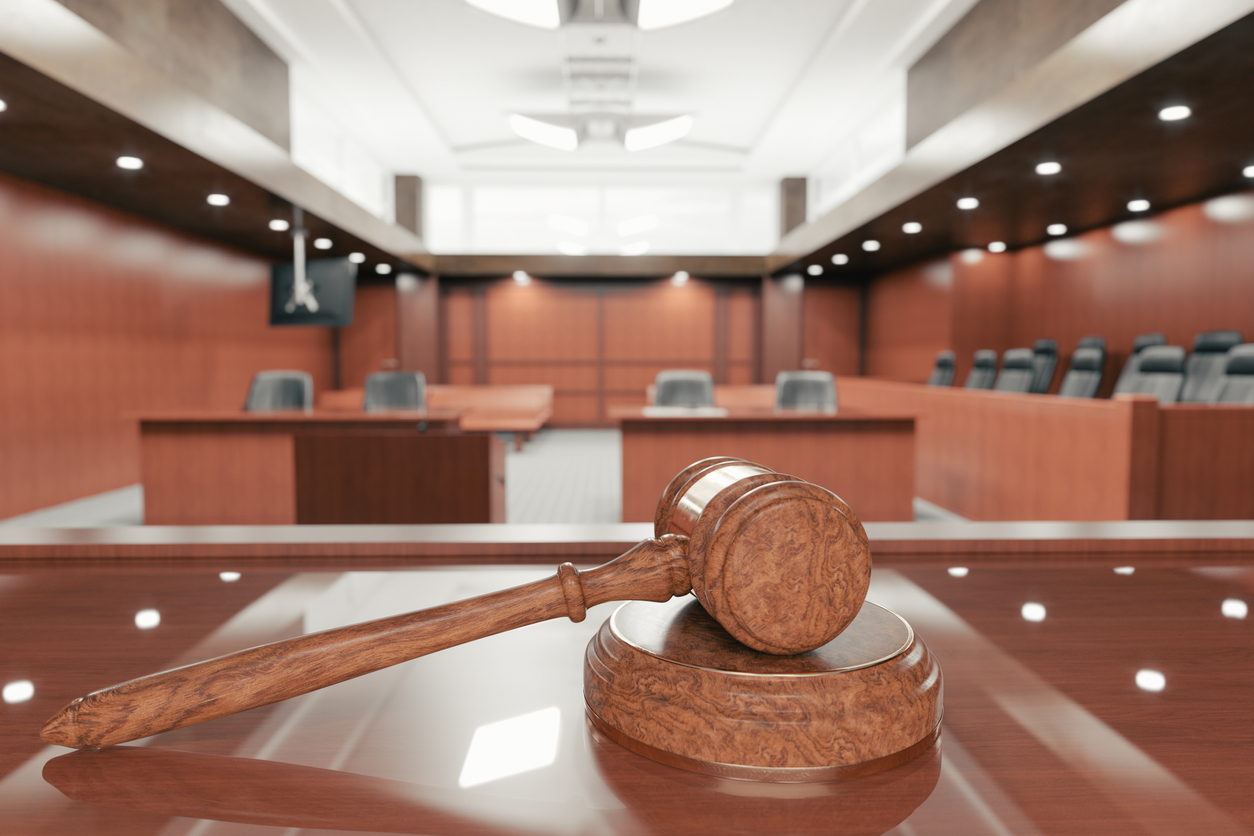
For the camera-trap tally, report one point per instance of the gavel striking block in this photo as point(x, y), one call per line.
point(796, 678)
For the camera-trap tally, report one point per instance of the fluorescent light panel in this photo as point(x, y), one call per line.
point(544, 133)
point(657, 134)
point(655, 14)
point(541, 13)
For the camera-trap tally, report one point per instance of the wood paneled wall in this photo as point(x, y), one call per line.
point(371, 340)
point(597, 344)
point(832, 325)
point(104, 315)
point(1196, 274)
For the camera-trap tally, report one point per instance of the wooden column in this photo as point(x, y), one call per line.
point(418, 325)
point(782, 324)
point(792, 204)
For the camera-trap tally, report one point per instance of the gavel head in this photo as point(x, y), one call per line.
point(782, 564)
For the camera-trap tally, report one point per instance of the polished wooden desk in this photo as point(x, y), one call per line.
point(280, 468)
point(867, 460)
point(1045, 729)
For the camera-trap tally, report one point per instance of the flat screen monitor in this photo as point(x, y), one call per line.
point(329, 301)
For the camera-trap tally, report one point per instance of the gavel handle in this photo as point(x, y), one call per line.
point(655, 570)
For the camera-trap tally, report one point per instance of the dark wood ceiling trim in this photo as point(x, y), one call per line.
point(608, 266)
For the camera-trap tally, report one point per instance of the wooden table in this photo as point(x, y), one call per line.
point(867, 460)
point(280, 468)
point(1045, 729)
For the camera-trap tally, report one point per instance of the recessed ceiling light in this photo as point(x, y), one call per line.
point(561, 137)
point(912, 227)
point(997, 247)
point(1138, 205)
point(840, 259)
point(541, 13)
point(1148, 680)
point(1049, 168)
point(3, 105)
point(1032, 611)
point(1056, 229)
point(815, 269)
point(680, 278)
point(1248, 171)
point(659, 133)
point(968, 203)
point(280, 225)
point(521, 278)
point(130, 163)
point(322, 243)
point(654, 14)
point(218, 200)
point(871, 246)
point(356, 258)
point(383, 269)
point(1175, 113)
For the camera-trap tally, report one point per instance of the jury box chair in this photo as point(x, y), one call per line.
point(805, 391)
point(1133, 363)
point(1016, 371)
point(277, 391)
point(683, 387)
point(1204, 370)
point(395, 390)
point(1161, 373)
point(983, 370)
point(943, 371)
point(1238, 381)
point(1084, 374)
point(1044, 362)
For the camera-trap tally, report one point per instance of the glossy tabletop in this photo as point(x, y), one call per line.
point(1046, 729)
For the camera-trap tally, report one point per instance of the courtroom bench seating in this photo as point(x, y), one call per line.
point(1084, 375)
point(277, 391)
point(1204, 370)
point(983, 370)
point(1017, 371)
point(943, 373)
point(1133, 363)
point(1044, 362)
point(1238, 382)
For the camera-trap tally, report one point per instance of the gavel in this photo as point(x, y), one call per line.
point(783, 565)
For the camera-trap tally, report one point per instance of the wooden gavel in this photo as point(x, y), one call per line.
point(782, 564)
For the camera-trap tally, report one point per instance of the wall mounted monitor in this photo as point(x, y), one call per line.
point(327, 300)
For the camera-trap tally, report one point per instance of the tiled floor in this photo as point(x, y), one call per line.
point(560, 476)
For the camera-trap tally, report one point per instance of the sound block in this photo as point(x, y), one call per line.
point(667, 682)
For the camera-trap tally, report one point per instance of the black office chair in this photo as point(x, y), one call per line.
point(1204, 370)
point(1044, 361)
point(278, 391)
point(683, 387)
point(1238, 382)
point(943, 371)
point(1161, 373)
point(983, 370)
point(1084, 374)
point(1133, 363)
point(805, 391)
point(395, 390)
point(1016, 371)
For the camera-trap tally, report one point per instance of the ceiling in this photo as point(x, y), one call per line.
point(427, 85)
point(1113, 150)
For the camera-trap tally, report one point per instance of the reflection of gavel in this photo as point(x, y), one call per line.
point(782, 564)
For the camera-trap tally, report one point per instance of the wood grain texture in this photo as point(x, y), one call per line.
point(782, 323)
point(1206, 469)
point(418, 326)
point(372, 339)
point(867, 461)
point(909, 321)
point(669, 678)
point(103, 314)
point(832, 327)
point(655, 570)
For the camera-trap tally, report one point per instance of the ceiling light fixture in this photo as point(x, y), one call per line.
point(815, 269)
point(383, 269)
point(659, 133)
point(3, 105)
point(1248, 171)
point(655, 14)
point(870, 246)
point(1138, 205)
point(997, 247)
point(1175, 113)
point(680, 278)
point(968, 203)
point(840, 259)
point(130, 163)
point(521, 278)
point(548, 134)
point(1056, 229)
point(280, 225)
point(545, 14)
point(322, 243)
point(218, 200)
point(356, 258)
point(912, 228)
point(1048, 169)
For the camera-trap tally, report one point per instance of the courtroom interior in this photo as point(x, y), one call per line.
point(908, 345)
